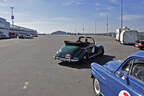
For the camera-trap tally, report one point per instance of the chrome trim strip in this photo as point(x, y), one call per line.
point(101, 94)
point(99, 74)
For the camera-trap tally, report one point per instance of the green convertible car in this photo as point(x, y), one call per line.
point(83, 49)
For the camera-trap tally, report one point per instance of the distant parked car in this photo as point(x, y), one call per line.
point(3, 35)
point(25, 36)
point(28, 36)
point(140, 44)
point(21, 36)
point(120, 78)
point(83, 49)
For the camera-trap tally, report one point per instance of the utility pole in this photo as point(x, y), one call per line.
point(95, 27)
point(83, 29)
point(121, 25)
point(107, 25)
point(76, 30)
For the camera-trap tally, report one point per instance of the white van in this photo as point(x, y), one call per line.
point(118, 32)
point(128, 36)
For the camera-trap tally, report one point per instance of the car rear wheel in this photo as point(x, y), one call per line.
point(96, 87)
point(84, 58)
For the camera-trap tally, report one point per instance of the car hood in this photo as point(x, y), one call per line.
point(113, 65)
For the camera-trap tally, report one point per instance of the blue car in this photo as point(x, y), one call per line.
point(120, 78)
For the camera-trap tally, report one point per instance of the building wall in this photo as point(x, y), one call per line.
point(23, 30)
point(34, 33)
point(4, 27)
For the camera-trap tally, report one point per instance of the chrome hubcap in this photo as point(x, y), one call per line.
point(96, 87)
point(84, 57)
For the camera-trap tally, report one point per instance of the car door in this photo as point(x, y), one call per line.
point(130, 86)
point(136, 76)
point(120, 83)
point(91, 51)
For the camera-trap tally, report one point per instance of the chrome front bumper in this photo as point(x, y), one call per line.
point(65, 59)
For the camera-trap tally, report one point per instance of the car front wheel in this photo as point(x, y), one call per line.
point(96, 87)
point(141, 48)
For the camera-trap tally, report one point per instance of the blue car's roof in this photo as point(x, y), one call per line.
point(138, 54)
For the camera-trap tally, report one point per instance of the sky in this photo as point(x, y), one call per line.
point(47, 16)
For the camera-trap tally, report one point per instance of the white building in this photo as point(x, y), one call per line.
point(9, 31)
point(4, 27)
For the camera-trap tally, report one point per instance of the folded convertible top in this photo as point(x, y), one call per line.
point(82, 44)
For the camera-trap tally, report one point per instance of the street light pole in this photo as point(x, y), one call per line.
point(95, 27)
point(121, 14)
point(12, 16)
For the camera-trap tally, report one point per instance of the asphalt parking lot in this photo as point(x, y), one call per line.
point(27, 67)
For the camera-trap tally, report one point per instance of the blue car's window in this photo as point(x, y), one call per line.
point(140, 73)
point(127, 66)
point(135, 68)
point(138, 70)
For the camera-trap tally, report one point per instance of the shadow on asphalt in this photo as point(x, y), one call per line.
point(128, 44)
point(83, 65)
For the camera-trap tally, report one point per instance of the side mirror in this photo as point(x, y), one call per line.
point(123, 76)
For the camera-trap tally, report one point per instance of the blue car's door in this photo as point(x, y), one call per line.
point(122, 83)
point(137, 86)
point(136, 76)
point(114, 86)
